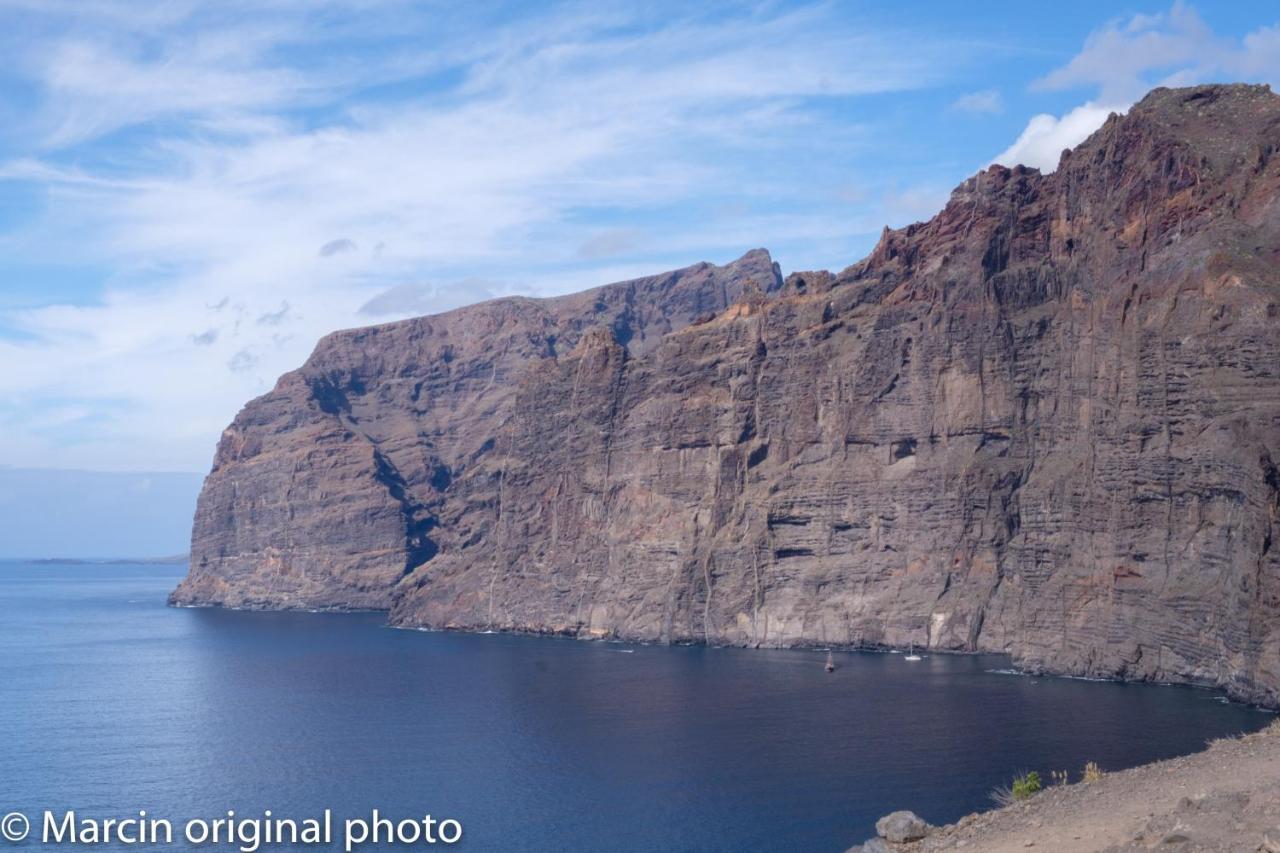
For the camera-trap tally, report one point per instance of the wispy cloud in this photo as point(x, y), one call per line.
point(1174, 48)
point(1127, 57)
point(417, 298)
point(253, 184)
point(246, 177)
point(984, 102)
point(614, 241)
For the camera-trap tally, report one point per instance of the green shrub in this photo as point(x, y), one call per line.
point(1025, 786)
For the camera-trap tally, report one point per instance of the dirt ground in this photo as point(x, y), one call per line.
point(1226, 798)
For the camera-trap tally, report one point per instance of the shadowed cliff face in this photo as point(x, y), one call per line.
point(1046, 422)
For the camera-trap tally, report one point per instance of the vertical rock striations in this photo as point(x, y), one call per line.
point(358, 468)
point(1045, 422)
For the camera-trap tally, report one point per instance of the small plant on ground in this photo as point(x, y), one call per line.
point(1091, 773)
point(1025, 786)
point(1058, 777)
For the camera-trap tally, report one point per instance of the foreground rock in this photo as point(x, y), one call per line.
point(1046, 422)
point(901, 826)
point(1224, 799)
point(893, 832)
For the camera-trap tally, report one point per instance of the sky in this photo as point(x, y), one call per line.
point(94, 515)
point(191, 194)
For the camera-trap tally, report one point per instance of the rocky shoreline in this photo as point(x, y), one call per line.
point(1226, 798)
point(1014, 670)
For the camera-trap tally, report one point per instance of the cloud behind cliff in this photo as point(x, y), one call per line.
point(405, 300)
point(1128, 56)
point(1041, 144)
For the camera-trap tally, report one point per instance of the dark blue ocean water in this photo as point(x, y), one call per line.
point(111, 702)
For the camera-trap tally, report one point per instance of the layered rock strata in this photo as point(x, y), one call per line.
point(1046, 422)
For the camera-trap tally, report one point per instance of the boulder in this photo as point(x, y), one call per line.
point(902, 826)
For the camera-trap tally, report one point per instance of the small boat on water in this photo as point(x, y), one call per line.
point(911, 654)
point(831, 664)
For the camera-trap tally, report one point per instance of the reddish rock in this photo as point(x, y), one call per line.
point(1045, 422)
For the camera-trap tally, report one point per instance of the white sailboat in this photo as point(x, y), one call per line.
point(911, 653)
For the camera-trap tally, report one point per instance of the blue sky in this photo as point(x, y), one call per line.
point(85, 515)
point(192, 193)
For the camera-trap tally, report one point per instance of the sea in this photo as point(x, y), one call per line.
point(112, 703)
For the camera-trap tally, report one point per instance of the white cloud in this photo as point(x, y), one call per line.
point(94, 90)
point(257, 207)
point(1122, 57)
point(1126, 58)
point(984, 102)
point(1042, 142)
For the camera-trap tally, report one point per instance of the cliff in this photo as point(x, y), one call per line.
point(1046, 422)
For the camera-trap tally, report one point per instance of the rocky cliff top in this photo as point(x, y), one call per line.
point(1185, 143)
point(640, 310)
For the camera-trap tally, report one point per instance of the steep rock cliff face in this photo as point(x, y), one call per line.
point(1046, 422)
point(358, 468)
